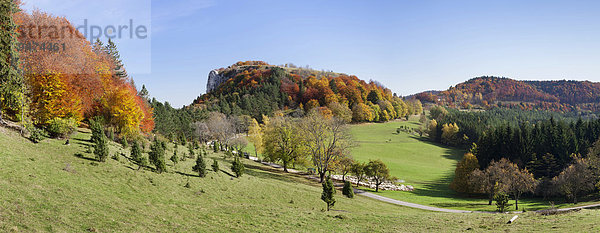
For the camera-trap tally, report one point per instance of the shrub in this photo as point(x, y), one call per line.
point(191, 150)
point(111, 134)
point(347, 190)
point(215, 165)
point(101, 148)
point(124, 142)
point(136, 152)
point(175, 158)
point(157, 156)
point(61, 127)
point(200, 166)
point(237, 167)
point(97, 127)
point(328, 191)
point(501, 201)
point(36, 135)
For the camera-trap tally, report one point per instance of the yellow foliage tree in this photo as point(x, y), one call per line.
point(450, 134)
point(52, 98)
point(121, 110)
point(362, 113)
point(462, 173)
point(255, 133)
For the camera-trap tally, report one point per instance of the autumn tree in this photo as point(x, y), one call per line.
point(76, 81)
point(345, 166)
point(576, 179)
point(437, 112)
point(326, 140)
point(378, 171)
point(52, 98)
point(238, 143)
point(255, 135)
point(450, 134)
point(518, 181)
point(220, 127)
point(362, 113)
point(462, 173)
point(282, 140)
point(432, 129)
point(358, 170)
point(341, 111)
point(492, 179)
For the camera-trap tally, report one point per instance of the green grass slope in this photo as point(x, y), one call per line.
point(427, 166)
point(46, 187)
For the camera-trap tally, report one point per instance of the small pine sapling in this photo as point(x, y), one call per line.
point(347, 190)
point(215, 165)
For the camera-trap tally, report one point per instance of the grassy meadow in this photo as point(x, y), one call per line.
point(54, 187)
point(429, 167)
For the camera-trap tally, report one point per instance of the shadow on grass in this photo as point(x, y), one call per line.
point(82, 156)
point(185, 174)
point(229, 174)
point(453, 153)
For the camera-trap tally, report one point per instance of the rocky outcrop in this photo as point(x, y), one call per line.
point(214, 80)
point(371, 184)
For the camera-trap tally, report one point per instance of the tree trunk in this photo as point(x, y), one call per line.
point(321, 176)
point(516, 202)
point(491, 198)
point(285, 166)
point(574, 198)
point(344, 177)
point(376, 187)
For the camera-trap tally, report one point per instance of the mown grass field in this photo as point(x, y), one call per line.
point(427, 166)
point(47, 187)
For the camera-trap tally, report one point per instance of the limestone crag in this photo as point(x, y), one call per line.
point(214, 80)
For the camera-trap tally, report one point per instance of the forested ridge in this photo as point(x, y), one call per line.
point(488, 92)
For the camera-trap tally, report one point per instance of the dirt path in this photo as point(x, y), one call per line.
point(408, 204)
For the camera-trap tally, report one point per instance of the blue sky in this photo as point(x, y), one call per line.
point(409, 46)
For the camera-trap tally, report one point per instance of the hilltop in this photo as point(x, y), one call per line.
point(256, 88)
point(488, 92)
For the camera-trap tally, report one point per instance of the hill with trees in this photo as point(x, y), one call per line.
point(256, 88)
point(489, 92)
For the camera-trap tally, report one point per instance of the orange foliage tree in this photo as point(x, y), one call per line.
point(68, 77)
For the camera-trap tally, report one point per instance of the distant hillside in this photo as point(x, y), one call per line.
point(488, 92)
point(256, 88)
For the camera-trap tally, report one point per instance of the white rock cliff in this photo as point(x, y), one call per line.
point(214, 80)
